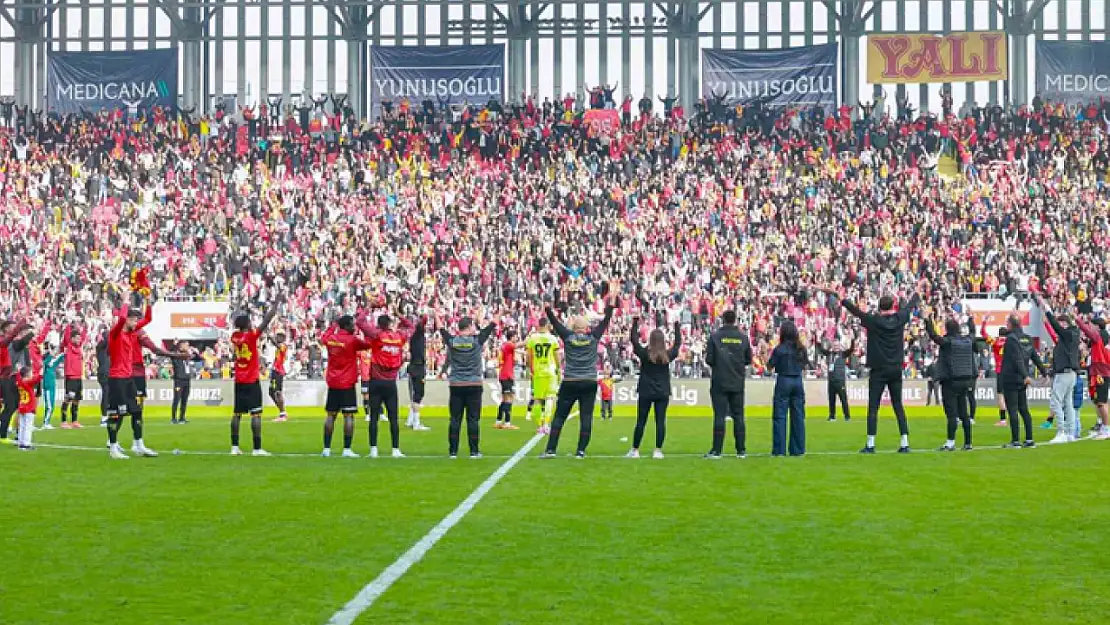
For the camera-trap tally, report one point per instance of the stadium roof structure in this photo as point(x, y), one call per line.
point(255, 49)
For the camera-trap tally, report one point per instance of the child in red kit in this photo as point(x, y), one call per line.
point(27, 382)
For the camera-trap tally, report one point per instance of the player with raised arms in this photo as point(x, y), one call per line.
point(248, 389)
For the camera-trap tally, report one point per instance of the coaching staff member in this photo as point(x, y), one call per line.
point(955, 371)
point(465, 372)
point(886, 353)
point(728, 354)
point(579, 376)
point(1015, 377)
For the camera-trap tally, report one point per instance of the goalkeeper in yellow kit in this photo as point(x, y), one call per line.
point(543, 355)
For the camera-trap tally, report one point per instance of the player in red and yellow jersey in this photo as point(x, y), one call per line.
point(998, 345)
point(365, 362)
point(506, 374)
point(248, 390)
point(277, 376)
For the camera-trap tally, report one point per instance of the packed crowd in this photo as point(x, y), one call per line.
point(509, 207)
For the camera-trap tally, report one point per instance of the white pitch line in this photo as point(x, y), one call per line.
point(375, 589)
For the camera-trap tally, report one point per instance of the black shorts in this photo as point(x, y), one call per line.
point(140, 388)
point(416, 390)
point(248, 398)
point(342, 400)
point(1100, 389)
point(74, 389)
point(123, 397)
point(277, 383)
point(507, 386)
point(998, 385)
point(365, 388)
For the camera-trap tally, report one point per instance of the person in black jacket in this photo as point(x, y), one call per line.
point(886, 355)
point(1015, 377)
point(103, 364)
point(955, 371)
point(932, 390)
point(728, 354)
point(837, 357)
point(14, 338)
point(182, 384)
point(654, 386)
point(788, 360)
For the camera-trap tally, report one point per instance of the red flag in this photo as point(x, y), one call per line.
point(140, 281)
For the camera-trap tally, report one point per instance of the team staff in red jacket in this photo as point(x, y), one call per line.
point(73, 343)
point(343, 346)
point(387, 354)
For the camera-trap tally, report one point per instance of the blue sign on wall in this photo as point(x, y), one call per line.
point(96, 81)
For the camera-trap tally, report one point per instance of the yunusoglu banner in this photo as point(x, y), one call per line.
point(1073, 71)
point(958, 57)
point(801, 76)
point(442, 74)
point(95, 81)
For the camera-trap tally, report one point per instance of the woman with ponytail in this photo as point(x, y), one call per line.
point(654, 387)
point(788, 360)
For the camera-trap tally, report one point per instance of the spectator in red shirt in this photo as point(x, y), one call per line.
point(343, 346)
point(387, 354)
point(506, 372)
point(248, 390)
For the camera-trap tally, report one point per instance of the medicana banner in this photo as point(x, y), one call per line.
point(1073, 71)
point(802, 76)
point(442, 74)
point(96, 81)
point(684, 393)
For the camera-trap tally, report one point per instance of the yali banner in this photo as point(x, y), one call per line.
point(442, 74)
point(801, 76)
point(95, 81)
point(927, 58)
point(1073, 71)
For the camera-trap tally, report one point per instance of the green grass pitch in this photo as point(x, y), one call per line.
point(993, 536)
